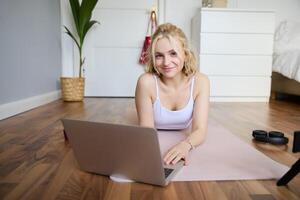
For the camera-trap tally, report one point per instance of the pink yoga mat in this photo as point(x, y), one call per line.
point(223, 156)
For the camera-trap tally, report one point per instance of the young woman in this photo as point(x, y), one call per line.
point(172, 94)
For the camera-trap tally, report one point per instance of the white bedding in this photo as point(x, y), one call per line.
point(286, 59)
point(288, 64)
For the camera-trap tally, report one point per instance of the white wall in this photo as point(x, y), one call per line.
point(30, 54)
point(67, 44)
point(285, 9)
point(181, 12)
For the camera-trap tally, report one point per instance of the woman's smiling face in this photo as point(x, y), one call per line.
point(169, 57)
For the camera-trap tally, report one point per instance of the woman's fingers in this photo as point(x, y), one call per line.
point(170, 156)
point(180, 151)
point(177, 158)
point(173, 157)
point(186, 160)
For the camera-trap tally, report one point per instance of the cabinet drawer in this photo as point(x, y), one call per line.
point(240, 44)
point(237, 21)
point(236, 65)
point(240, 86)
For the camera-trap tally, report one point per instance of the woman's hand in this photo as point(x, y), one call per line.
point(178, 152)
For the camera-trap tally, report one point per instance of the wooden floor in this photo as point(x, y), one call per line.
point(36, 163)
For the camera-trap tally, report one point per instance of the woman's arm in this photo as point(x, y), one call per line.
point(199, 123)
point(200, 113)
point(143, 101)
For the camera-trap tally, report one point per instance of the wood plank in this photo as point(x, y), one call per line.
point(212, 190)
point(255, 187)
point(30, 181)
point(233, 190)
point(62, 175)
point(168, 192)
point(280, 192)
point(120, 191)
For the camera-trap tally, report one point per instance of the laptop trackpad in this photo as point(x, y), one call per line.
point(120, 178)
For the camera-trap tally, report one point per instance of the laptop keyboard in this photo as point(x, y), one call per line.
point(168, 171)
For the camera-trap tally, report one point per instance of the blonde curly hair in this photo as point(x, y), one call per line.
point(171, 32)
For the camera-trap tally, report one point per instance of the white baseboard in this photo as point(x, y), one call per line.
point(239, 99)
point(16, 107)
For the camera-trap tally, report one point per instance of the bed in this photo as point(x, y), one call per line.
point(286, 59)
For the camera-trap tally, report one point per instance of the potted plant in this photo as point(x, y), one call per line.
point(73, 87)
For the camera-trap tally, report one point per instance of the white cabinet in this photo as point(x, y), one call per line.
point(235, 50)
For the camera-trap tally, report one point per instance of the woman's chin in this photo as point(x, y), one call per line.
point(169, 74)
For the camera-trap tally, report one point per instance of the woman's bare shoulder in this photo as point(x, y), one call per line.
point(201, 78)
point(146, 78)
point(201, 82)
point(146, 81)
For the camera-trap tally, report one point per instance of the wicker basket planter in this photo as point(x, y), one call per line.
point(72, 89)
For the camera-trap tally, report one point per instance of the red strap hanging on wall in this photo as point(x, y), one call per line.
point(152, 25)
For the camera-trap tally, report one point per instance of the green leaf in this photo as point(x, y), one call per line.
point(75, 11)
point(72, 36)
point(82, 14)
point(85, 14)
point(87, 28)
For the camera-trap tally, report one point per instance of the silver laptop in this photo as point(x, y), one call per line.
point(122, 150)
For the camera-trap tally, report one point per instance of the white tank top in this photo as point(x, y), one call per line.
point(172, 120)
